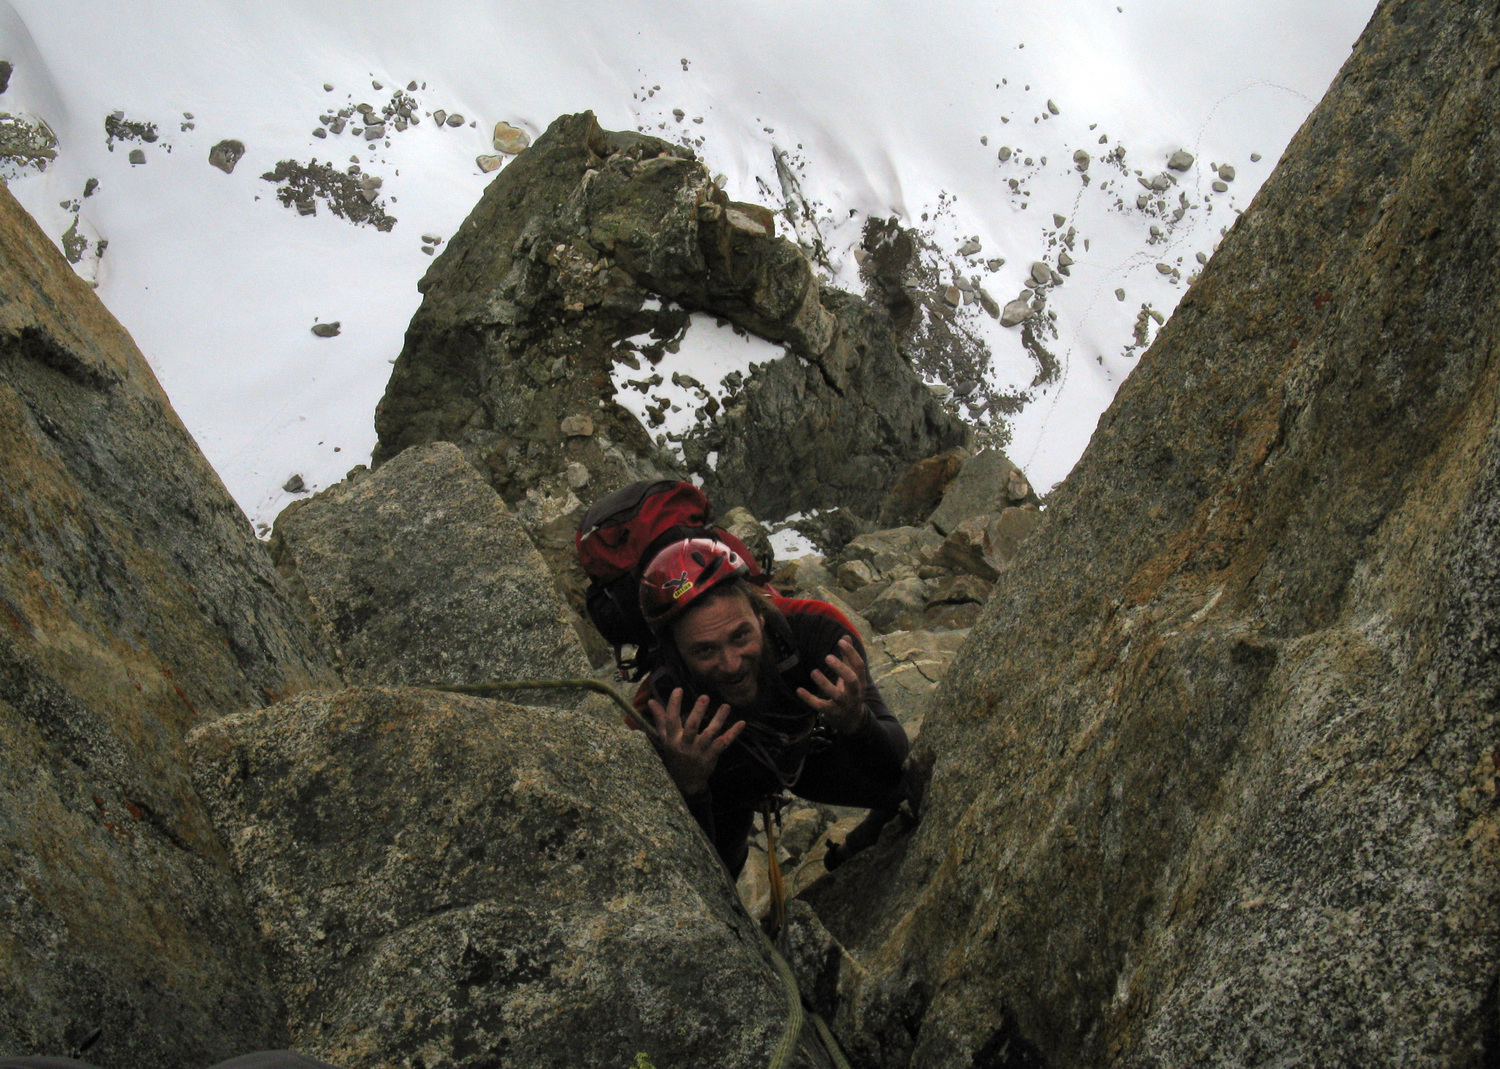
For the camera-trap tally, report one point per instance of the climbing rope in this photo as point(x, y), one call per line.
point(495, 690)
point(770, 817)
point(797, 1017)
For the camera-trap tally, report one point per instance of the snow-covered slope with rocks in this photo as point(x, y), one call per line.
point(966, 121)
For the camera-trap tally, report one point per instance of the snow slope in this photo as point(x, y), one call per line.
point(883, 108)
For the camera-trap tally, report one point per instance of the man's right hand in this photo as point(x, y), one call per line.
point(689, 753)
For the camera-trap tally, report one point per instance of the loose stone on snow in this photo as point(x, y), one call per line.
point(511, 139)
point(1016, 311)
point(226, 154)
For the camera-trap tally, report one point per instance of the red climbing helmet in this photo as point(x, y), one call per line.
point(681, 574)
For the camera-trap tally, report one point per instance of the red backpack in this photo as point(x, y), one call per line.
point(618, 536)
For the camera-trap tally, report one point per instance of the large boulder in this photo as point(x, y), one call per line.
point(534, 300)
point(443, 880)
point(135, 603)
point(418, 573)
point(1215, 774)
point(986, 484)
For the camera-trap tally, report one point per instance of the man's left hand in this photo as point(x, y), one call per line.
point(842, 705)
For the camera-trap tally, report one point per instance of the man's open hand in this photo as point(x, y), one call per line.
point(689, 753)
point(842, 705)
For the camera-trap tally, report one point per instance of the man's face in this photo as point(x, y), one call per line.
point(721, 643)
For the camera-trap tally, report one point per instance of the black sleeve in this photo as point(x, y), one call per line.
point(701, 805)
point(882, 734)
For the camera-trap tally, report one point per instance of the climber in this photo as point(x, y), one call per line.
point(757, 693)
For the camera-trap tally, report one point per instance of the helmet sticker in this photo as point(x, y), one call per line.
point(679, 586)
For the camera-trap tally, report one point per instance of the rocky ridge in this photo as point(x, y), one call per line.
point(1215, 772)
point(134, 604)
point(530, 306)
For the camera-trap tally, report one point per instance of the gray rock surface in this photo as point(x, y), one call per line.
point(28, 143)
point(527, 306)
point(1015, 312)
point(226, 154)
point(1215, 773)
point(418, 573)
point(134, 604)
point(511, 140)
point(986, 483)
point(449, 881)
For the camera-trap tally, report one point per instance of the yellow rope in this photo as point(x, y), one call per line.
point(773, 864)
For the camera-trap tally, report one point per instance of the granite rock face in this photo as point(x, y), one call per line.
point(134, 604)
point(450, 881)
point(1215, 775)
point(418, 573)
point(532, 302)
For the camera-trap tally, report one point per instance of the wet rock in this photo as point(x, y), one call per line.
point(295, 485)
point(137, 157)
point(511, 139)
point(1226, 172)
point(455, 120)
point(326, 330)
point(1220, 186)
point(1181, 160)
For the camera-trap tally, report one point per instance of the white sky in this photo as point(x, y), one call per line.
point(887, 100)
